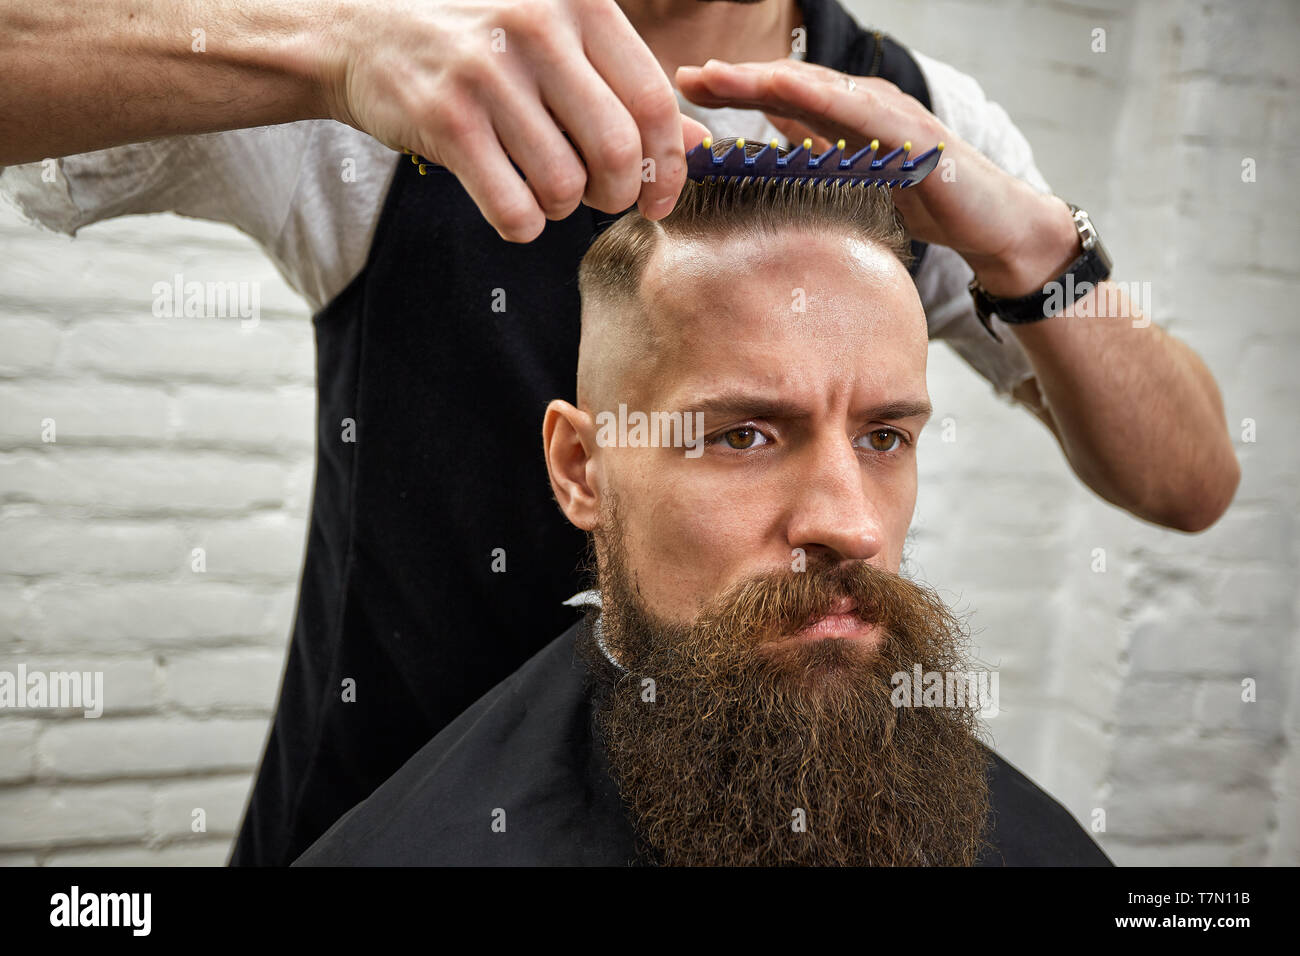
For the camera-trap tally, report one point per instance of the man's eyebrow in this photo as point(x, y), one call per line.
point(906, 408)
point(738, 403)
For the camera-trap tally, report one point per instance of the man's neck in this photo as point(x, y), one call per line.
point(688, 32)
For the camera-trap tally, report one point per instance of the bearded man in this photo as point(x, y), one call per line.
point(732, 695)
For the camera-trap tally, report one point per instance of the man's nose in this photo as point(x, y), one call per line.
point(834, 507)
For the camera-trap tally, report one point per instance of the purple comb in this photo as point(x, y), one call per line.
point(801, 164)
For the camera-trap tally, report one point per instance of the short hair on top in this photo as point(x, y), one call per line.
point(612, 269)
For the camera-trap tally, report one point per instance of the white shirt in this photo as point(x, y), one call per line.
point(310, 194)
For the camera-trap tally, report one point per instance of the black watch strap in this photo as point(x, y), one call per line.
point(1092, 266)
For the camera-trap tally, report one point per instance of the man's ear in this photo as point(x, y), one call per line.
point(566, 433)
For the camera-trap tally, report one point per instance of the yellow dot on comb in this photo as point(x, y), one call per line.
point(775, 144)
point(875, 144)
point(707, 142)
point(940, 146)
point(907, 146)
point(807, 144)
point(740, 142)
point(839, 144)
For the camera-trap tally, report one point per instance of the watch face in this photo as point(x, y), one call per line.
point(1087, 231)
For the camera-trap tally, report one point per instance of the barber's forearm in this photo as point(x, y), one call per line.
point(81, 76)
point(1136, 411)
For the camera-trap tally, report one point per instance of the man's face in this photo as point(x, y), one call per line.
point(750, 594)
point(806, 354)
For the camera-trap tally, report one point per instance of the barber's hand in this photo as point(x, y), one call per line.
point(467, 83)
point(1012, 236)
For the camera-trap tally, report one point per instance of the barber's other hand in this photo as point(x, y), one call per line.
point(468, 83)
point(1013, 237)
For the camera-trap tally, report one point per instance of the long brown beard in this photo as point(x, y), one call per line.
point(744, 754)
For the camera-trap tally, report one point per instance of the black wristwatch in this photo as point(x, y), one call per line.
point(1078, 279)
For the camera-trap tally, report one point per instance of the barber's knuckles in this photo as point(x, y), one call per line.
point(542, 71)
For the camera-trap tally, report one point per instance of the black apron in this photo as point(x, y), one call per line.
point(520, 779)
point(434, 369)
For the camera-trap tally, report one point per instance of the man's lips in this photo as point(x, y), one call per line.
point(842, 622)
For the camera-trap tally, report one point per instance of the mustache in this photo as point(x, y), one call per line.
point(779, 602)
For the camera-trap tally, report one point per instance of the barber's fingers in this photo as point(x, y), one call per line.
point(806, 85)
point(472, 84)
point(626, 64)
point(601, 127)
point(817, 96)
point(476, 157)
point(796, 132)
point(771, 88)
point(577, 101)
point(609, 190)
point(693, 132)
point(553, 170)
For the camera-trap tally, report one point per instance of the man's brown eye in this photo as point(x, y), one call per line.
point(740, 437)
point(884, 439)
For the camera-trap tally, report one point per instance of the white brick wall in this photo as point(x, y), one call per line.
point(1120, 691)
point(171, 435)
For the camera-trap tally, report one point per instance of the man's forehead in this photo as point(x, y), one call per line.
point(684, 267)
point(799, 311)
point(791, 282)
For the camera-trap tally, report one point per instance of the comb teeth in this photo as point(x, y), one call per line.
point(801, 164)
